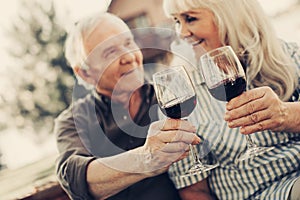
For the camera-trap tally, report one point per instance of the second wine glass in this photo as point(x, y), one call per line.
point(226, 79)
point(177, 99)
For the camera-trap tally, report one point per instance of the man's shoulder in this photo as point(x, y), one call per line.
point(79, 106)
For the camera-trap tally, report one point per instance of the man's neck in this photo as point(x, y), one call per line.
point(130, 101)
point(134, 103)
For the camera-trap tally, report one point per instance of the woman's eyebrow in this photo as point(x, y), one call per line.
point(190, 13)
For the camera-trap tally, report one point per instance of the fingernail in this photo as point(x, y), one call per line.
point(226, 117)
point(194, 129)
point(242, 130)
point(228, 106)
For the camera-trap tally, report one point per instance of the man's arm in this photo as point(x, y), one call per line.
point(167, 142)
point(108, 176)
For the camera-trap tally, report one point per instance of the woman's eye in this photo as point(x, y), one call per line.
point(190, 19)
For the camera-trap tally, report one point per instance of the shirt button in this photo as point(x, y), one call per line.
point(124, 117)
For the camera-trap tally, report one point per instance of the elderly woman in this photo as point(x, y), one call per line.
point(269, 110)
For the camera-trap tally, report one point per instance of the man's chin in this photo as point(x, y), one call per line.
point(123, 92)
point(131, 86)
point(132, 80)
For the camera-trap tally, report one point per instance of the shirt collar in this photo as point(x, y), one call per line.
point(146, 92)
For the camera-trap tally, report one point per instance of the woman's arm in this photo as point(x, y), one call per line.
point(198, 190)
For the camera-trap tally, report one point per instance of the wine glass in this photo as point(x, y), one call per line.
point(177, 99)
point(226, 79)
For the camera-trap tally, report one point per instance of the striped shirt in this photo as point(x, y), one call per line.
point(267, 176)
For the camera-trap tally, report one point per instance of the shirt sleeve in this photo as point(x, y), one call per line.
point(294, 51)
point(207, 122)
point(178, 172)
point(73, 158)
point(296, 58)
point(179, 176)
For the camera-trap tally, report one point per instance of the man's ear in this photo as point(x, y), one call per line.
point(84, 75)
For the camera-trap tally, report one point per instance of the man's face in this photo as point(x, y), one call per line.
point(116, 62)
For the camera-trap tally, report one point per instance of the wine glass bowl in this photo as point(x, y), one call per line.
point(225, 79)
point(223, 73)
point(176, 98)
point(174, 92)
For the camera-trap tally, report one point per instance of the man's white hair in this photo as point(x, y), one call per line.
point(75, 52)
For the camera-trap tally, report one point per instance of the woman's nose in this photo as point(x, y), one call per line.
point(184, 33)
point(182, 30)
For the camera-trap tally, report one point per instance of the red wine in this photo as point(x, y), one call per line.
point(181, 109)
point(228, 89)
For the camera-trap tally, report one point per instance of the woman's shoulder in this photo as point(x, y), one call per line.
point(292, 48)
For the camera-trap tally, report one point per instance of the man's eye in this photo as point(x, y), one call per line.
point(110, 53)
point(129, 43)
point(190, 19)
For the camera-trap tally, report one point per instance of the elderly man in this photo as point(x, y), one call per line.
point(107, 150)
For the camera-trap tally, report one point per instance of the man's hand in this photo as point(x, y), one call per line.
point(167, 142)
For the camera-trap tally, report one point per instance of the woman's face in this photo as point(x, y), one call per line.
point(197, 27)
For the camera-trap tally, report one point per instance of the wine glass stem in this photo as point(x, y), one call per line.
point(250, 143)
point(195, 155)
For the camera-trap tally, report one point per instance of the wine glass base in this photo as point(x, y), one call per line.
point(199, 168)
point(252, 152)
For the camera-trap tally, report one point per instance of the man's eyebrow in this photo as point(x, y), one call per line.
point(113, 47)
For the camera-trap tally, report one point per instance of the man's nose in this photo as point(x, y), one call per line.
point(127, 57)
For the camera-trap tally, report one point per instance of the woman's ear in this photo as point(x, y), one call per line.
point(84, 74)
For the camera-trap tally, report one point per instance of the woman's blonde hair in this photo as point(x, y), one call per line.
point(243, 25)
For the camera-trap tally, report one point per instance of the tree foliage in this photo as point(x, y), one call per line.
point(41, 77)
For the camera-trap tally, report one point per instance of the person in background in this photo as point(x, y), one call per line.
point(269, 110)
point(107, 148)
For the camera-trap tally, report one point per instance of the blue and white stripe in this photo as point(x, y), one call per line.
point(267, 176)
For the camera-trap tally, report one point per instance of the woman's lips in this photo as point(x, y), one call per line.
point(193, 41)
point(197, 42)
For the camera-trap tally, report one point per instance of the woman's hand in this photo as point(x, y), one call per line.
point(260, 109)
point(167, 142)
